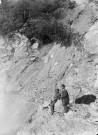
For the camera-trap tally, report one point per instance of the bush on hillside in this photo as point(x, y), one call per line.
point(39, 19)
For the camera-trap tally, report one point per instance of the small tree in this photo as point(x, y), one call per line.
point(37, 18)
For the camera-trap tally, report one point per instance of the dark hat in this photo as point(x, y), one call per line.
point(62, 85)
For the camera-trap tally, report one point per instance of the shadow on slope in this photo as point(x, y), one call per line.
point(86, 99)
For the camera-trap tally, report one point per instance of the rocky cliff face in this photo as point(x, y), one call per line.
point(28, 77)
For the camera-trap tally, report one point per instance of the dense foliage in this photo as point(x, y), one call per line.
point(37, 18)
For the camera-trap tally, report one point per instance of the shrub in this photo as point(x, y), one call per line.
point(39, 19)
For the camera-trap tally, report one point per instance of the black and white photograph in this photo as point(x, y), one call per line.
point(48, 67)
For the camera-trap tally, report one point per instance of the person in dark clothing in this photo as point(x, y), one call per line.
point(64, 98)
point(55, 99)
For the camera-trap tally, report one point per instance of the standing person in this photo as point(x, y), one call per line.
point(64, 98)
point(56, 97)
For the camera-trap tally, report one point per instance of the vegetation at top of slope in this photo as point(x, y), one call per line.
point(38, 18)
